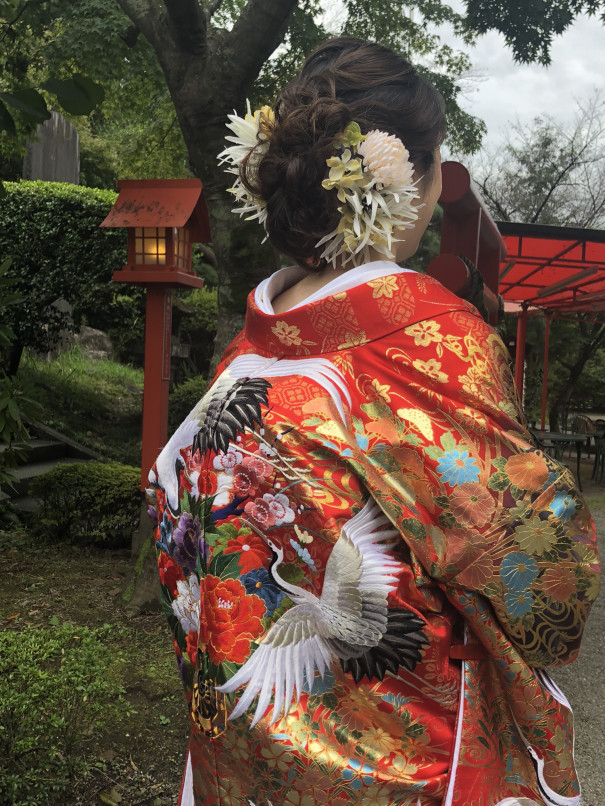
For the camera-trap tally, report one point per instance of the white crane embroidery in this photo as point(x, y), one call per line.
point(348, 620)
point(232, 404)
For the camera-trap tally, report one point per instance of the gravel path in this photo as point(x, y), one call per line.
point(584, 684)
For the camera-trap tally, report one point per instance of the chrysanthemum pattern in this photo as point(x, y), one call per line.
point(492, 532)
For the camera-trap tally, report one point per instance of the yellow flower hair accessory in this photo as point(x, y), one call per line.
point(373, 177)
point(250, 132)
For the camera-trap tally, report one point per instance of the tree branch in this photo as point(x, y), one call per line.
point(150, 19)
point(188, 25)
point(258, 31)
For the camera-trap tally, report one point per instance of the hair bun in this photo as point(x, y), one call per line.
point(344, 80)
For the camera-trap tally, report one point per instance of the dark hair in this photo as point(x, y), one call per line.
point(343, 80)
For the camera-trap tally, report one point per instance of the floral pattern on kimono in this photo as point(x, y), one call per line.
point(354, 526)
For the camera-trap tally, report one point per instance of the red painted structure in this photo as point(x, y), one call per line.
point(550, 271)
point(467, 230)
point(164, 218)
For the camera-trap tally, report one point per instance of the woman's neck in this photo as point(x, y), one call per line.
point(310, 284)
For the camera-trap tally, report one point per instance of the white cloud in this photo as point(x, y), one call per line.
point(510, 91)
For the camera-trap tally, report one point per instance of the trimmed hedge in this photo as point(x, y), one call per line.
point(51, 231)
point(182, 399)
point(89, 503)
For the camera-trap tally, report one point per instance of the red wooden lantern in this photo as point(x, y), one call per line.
point(164, 218)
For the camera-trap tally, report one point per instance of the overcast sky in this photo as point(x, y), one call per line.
point(507, 91)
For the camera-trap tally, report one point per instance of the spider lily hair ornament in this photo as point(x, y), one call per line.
point(373, 177)
point(250, 132)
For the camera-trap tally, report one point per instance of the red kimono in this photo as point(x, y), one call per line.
point(366, 564)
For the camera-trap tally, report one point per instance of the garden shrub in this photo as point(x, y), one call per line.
point(88, 503)
point(198, 326)
point(58, 687)
point(51, 231)
point(182, 399)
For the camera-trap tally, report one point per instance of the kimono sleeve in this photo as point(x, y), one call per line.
point(488, 516)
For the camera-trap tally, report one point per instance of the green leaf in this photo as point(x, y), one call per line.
point(416, 528)
point(434, 452)
point(499, 481)
point(499, 462)
point(29, 102)
point(7, 124)
point(225, 566)
point(448, 442)
point(446, 520)
point(13, 409)
point(78, 95)
point(292, 573)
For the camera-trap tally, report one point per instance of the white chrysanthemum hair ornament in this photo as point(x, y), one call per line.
point(372, 175)
point(251, 141)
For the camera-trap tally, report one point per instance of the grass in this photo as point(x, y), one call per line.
point(132, 752)
point(97, 403)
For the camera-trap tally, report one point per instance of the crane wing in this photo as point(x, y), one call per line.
point(360, 573)
point(291, 651)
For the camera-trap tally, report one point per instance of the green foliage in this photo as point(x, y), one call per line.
point(528, 27)
point(51, 231)
point(198, 326)
point(182, 399)
point(88, 503)
point(390, 23)
point(57, 687)
point(16, 400)
point(98, 403)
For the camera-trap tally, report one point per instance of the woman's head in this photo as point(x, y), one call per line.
point(344, 80)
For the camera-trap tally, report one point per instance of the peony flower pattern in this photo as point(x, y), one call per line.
point(495, 526)
point(253, 553)
point(232, 619)
point(187, 542)
point(186, 606)
point(261, 583)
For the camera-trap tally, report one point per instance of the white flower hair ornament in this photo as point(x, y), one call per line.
point(251, 131)
point(372, 174)
point(373, 177)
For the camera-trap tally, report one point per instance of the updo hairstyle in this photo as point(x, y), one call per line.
point(343, 80)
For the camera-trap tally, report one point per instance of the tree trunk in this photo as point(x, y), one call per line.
point(209, 71)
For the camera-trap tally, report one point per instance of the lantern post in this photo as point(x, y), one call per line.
point(164, 218)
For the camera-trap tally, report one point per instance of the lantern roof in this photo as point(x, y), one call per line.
point(553, 268)
point(161, 203)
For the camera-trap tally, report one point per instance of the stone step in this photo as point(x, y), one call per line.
point(41, 450)
point(25, 474)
